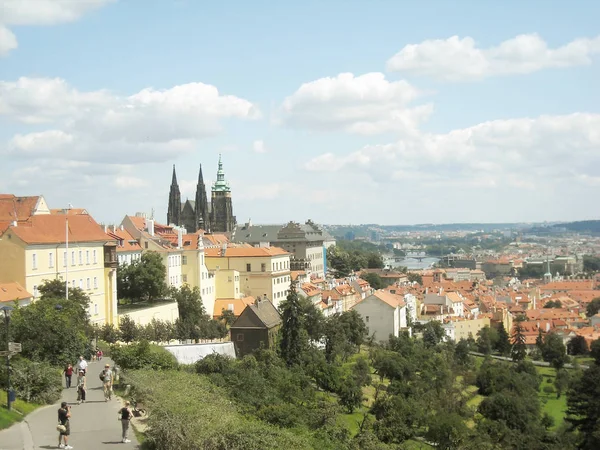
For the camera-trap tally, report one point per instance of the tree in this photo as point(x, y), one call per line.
point(350, 394)
point(53, 329)
point(143, 279)
point(595, 350)
point(539, 340)
point(593, 307)
point(293, 339)
point(519, 349)
point(193, 320)
point(487, 339)
point(577, 345)
point(447, 431)
point(554, 351)
point(375, 261)
point(128, 329)
point(373, 279)
point(314, 321)
point(553, 304)
point(108, 333)
point(583, 408)
point(433, 333)
point(414, 277)
point(503, 345)
point(227, 316)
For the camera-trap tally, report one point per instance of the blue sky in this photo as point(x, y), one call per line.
point(99, 98)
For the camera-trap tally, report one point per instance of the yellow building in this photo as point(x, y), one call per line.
point(262, 270)
point(35, 250)
point(227, 282)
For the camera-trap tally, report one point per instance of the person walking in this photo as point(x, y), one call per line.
point(64, 414)
point(125, 416)
point(82, 365)
point(68, 375)
point(107, 380)
point(81, 387)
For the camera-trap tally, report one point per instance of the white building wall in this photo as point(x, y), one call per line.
point(378, 317)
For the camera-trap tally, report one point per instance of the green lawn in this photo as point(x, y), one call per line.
point(554, 407)
point(19, 410)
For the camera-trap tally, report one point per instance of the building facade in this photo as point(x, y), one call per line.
point(216, 216)
point(72, 248)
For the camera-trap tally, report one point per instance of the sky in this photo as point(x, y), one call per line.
point(343, 111)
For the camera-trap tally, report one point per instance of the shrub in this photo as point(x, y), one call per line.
point(214, 363)
point(548, 390)
point(187, 412)
point(143, 355)
point(34, 382)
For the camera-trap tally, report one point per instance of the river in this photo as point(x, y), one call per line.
point(410, 263)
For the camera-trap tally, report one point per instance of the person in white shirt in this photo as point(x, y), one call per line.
point(82, 365)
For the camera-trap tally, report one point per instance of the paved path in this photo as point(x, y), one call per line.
point(94, 424)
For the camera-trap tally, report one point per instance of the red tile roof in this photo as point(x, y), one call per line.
point(16, 208)
point(9, 292)
point(244, 252)
point(50, 229)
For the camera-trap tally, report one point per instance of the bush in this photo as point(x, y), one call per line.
point(549, 390)
point(214, 363)
point(34, 382)
point(143, 355)
point(176, 422)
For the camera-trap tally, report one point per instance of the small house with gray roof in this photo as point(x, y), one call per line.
point(257, 326)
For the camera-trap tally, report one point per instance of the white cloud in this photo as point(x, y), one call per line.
point(8, 41)
point(128, 182)
point(259, 146)
point(151, 125)
point(516, 152)
point(365, 104)
point(40, 12)
point(459, 59)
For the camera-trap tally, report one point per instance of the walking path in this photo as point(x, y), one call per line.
point(94, 424)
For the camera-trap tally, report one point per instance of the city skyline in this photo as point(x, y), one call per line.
point(338, 112)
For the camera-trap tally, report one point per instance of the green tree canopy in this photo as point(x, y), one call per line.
point(583, 408)
point(593, 307)
point(293, 338)
point(554, 351)
point(373, 279)
point(53, 329)
point(519, 349)
point(577, 345)
point(143, 279)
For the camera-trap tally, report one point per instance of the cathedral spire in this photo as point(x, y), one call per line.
point(221, 185)
point(174, 179)
point(174, 209)
point(202, 220)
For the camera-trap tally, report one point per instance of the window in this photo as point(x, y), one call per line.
point(50, 259)
point(230, 307)
point(73, 283)
point(95, 282)
point(73, 258)
point(240, 337)
point(95, 257)
point(81, 283)
point(248, 268)
point(95, 309)
point(34, 261)
point(35, 290)
point(184, 260)
point(185, 278)
point(88, 284)
point(64, 259)
point(80, 257)
point(229, 279)
point(367, 319)
point(145, 245)
point(263, 267)
point(87, 256)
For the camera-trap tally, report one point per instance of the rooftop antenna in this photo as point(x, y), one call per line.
point(152, 214)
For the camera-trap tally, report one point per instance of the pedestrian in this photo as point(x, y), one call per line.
point(68, 375)
point(107, 381)
point(125, 415)
point(99, 355)
point(82, 365)
point(81, 387)
point(64, 413)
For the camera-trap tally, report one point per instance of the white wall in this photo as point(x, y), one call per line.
point(378, 317)
point(190, 353)
point(167, 312)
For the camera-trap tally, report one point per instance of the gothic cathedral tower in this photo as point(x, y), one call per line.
point(174, 210)
point(221, 214)
point(202, 220)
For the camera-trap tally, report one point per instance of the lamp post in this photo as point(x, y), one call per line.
point(6, 310)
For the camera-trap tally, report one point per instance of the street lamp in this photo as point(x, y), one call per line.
point(6, 310)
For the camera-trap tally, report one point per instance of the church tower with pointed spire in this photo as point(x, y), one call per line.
point(174, 209)
point(221, 214)
point(202, 219)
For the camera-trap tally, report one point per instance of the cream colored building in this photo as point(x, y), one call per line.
point(161, 239)
point(194, 270)
point(35, 250)
point(458, 328)
point(262, 270)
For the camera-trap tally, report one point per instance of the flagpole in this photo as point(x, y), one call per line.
point(67, 258)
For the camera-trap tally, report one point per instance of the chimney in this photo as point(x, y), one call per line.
point(223, 249)
point(14, 223)
point(122, 227)
point(179, 237)
point(150, 226)
point(106, 228)
point(547, 327)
